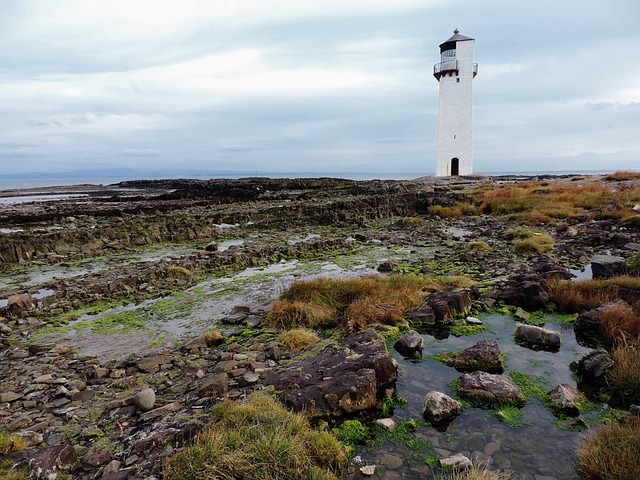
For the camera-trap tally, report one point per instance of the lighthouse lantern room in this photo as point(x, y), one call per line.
point(455, 72)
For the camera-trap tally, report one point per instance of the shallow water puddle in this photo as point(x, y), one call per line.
point(538, 448)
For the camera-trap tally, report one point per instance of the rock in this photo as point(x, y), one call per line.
point(21, 422)
point(473, 321)
point(410, 344)
point(484, 355)
point(20, 302)
point(438, 407)
point(603, 266)
point(215, 385)
point(565, 399)
point(590, 320)
point(521, 315)
point(531, 335)
point(450, 304)
point(386, 266)
point(386, 423)
point(347, 377)
point(9, 397)
point(48, 378)
point(368, 470)
point(152, 364)
point(170, 407)
point(211, 247)
point(46, 463)
point(94, 460)
point(145, 399)
point(5, 329)
point(421, 316)
point(595, 364)
point(457, 461)
point(486, 389)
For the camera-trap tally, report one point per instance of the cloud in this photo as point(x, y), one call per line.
point(141, 152)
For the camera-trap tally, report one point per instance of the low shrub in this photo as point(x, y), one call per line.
point(624, 377)
point(611, 452)
point(296, 339)
point(257, 441)
point(287, 314)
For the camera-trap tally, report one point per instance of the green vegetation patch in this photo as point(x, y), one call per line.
point(257, 441)
point(514, 417)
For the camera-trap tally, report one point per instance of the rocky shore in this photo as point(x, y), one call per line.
point(118, 410)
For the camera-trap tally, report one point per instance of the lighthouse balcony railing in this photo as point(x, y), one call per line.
point(442, 67)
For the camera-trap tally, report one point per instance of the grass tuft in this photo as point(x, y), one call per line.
point(624, 377)
point(257, 441)
point(611, 452)
point(296, 339)
point(619, 323)
point(213, 338)
point(10, 442)
point(475, 472)
point(349, 304)
point(177, 272)
point(529, 241)
point(622, 175)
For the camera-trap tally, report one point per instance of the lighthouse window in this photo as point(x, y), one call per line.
point(448, 55)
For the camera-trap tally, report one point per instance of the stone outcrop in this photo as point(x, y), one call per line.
point(565, 399)
point(348, 377)
point(594, 365)
point(410, 344)
point(438, 407)
point(537, 337)
point(486, 389)
point(451, 304)
point(603, 266)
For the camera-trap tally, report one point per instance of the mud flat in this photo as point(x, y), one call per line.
point(108, 291)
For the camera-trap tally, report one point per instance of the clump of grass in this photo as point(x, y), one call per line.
point(633, 265)
point(478, 246)
point(611, 452)
point(178, 272)
point(529, 241)
point(619, 322)
point(455, 281)
point(256, 441)
point(10, 442)
point(512, 416)
point(298, 338)
point(579, 295)
point(624, 377)
point(213, 338)
point(349, 304)
point(475, 472)
point(445, 212)
point(622, 175)
point(412, 223)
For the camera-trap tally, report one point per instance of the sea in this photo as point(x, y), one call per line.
point(25, 183)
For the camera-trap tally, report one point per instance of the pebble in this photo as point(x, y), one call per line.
point(368, 470)
point(386, 423)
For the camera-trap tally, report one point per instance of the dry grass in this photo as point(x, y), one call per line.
point(257, 441)
point(619, 323)
point(476, 472)
point(478, 246)
point(10, 442)
point(213, 338)
point(529, 241)
point(296, 339)
point(177, 272)
point(622, 175)
point(624, 376)
point(612, 452)
point(535, 203)
point(411, 223)
point(445, 212)
point(349, 304)
point(580, 295)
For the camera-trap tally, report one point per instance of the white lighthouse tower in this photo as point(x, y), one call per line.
point(455, 72)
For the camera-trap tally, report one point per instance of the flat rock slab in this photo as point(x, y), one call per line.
point(484, 355)
point(537, 337)
point(603, 266)
point(347, 377)
point(486, 389)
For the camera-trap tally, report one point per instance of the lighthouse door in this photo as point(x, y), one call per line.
point(455, 166)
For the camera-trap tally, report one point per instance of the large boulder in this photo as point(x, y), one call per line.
point(347, 377)
point(603, 266)
point(565, 399)
point(438, 407)
point(487, 390)
point(410, 344)
point(484, 355)
point(451, 304)
point(590, 320)
point(421, 316)
point(539, 337)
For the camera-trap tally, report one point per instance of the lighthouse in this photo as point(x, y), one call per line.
point(455, 72)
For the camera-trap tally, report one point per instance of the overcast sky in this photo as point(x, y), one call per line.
point(313, 85)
